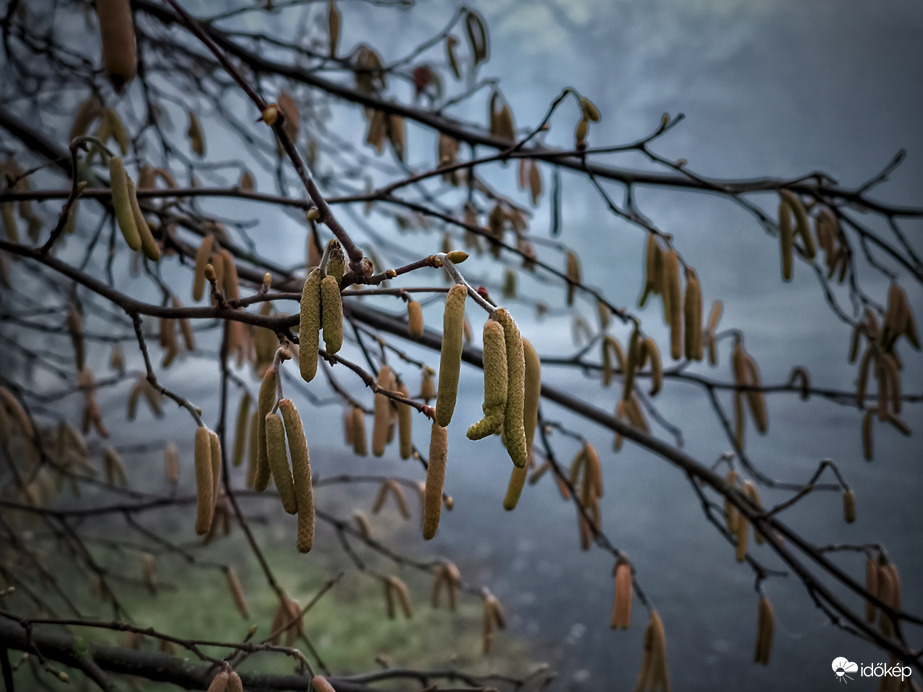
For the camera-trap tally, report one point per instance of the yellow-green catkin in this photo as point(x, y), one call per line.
point(533, 391)
point(514, 488)
point(205, 483)
point(332, 313)
point(120, 53)
point(514, 434)
point(674, 291)
point(786, 240)
point(309, 326)
point(148, 244)
point(301, 474)
point(121, 202)
point(435, 480)
point(278, 462)
point(382, 420)
point(267, 400)
point(404, 424)
point(414, 320)
point(215, 443)
point(358, 435)
point(202, 256)
point(495, 383)
point(450, 361)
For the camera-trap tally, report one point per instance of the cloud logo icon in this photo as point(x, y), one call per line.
point(841, 666)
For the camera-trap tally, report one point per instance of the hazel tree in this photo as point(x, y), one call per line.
point(158, 167)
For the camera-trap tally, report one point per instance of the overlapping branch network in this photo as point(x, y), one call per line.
point(113, 183)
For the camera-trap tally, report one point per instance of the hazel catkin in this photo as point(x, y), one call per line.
point(621, 611)
point(205, 484)
point(382, 420)
point(404, 424)
point(120, 52)
point(201, 262)
point(121, 202)
point(495, 382)
point(764, 631)
point(301, 474)
point(266, 401)
point(450, 358)
point(331, 314)
point(514, 434)
point(278, 461)
point(435, 480)
point(309, 325)
point(674, 315)
point(414, 320)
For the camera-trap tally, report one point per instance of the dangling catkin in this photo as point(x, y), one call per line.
point(692, 314)
point(382, 419)
point(321, 684)
point(362, 524)
point(266, 401)
point(495, 383)
point(215, 453)
point(427, 387)
point(573, 275)
point(172, 463)
point(514, 434)
point(240, 430)
point(786, 239)
point(849, 506)
point(404, 424)
point(235, 684)
point(201, 261)
point(237, 592)
point(764, 630)
point(755, 397)
point(121, 202)
point(634, 362)
point(332, 314)
point(656, 674)
point(115, 469)
point(609, 346)
point(309, 325)
point(219, 682)
point(399, 589)
point(673, 290)
point(514, 488)
point(621, 611)
point(493, 615)
point(117, 29)
point(450, 358)
point(802, 226)
point(278, 462)
point(414, 320)
point(196, 135)
point(435, 480)
point(358, 426)
point(532, 391)
point(148, 244)
point(301, 474)
point(205, 484)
